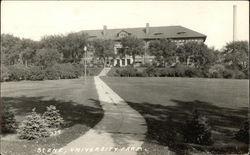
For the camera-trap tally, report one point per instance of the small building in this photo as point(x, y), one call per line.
point(178, 34)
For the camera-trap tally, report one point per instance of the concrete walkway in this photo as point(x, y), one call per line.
point(120, 132)
point(104, 71)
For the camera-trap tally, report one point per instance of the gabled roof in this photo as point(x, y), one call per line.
point(171, 32)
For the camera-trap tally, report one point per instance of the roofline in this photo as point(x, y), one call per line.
point(200, 37)
point(131, 28)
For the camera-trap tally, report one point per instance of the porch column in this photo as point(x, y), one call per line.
point(120, 62)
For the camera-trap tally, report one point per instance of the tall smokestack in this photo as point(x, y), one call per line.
point(147, 28)
point(104, 30)
point(234, 22)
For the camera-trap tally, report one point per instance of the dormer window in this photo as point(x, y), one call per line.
point(122, 34)
point(181, 32)
point(158, 33)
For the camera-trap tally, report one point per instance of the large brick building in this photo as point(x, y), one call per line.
point(176, 34)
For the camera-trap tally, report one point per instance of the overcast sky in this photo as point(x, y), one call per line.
point(34, 19)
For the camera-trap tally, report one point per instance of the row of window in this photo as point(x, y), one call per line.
point(185, 40)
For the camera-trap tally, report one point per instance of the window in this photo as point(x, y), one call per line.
point(158, 33)
point(181, 32)
point(123, 61)
point(128, 61)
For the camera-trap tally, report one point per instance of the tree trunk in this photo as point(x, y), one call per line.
point(133, 64)
point(104, 62)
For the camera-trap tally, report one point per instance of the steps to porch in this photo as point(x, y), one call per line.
point(105, 71)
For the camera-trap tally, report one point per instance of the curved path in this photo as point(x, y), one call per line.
point(120, 132)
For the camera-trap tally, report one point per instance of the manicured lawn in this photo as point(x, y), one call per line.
point(75, 99)
point(166, 104)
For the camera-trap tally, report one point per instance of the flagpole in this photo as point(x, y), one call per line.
point(85, 67)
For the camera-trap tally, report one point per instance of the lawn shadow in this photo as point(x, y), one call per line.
point(79, 119)
point(165, 125)
point(72, 113)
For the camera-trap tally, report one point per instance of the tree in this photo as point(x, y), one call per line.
point(15, 50)
point(235, 55)
point(47, 57)
point(52, 41)
point(132, 46)
point(52, 117)
point(197, 130)
point(164, 51)
point(201, 56)
point(27, 56)
point(8, 121)
point(27, 51)
point(73, 45)
point(10, 46)
point(103, 49)
point(243, 133)
point(33, 127)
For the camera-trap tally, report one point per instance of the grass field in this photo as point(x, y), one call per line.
point(166, 103)
point(75, 99)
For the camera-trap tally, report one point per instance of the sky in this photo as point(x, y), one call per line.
point(34, 19)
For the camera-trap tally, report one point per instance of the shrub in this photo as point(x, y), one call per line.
point(52, 73)
point(197, 130)
point(216, 71)
point(228, 74)
point(239, 74)
point(8, 121)
point(233, 74)
point(5, 73)
point(68, 71)
point(180, 70)
point(128, 71)
point(193, 72)
point(78, 70)
point(52, 117)
point(243, 134)
point(94, 71)
point(141, 74)
point(152, 71)
point(36, 73)
point(33, 127)
point(170, 72)
point(116, 73)
point(18, 72)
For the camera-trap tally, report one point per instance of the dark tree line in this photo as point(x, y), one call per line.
point(53, 57)
point(229, 62)
point(49, 49)
point(58, 49)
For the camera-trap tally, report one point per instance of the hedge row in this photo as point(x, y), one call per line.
point(58, 71)
point(216, 71)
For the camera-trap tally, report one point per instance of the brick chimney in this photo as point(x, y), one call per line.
point(104, 30)
point(147, 28)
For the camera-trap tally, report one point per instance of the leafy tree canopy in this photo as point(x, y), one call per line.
point(200, 54)
point(132, 46)
point(235, 55)
point(164, 50)
point(103, 49)
point(73, 48)
point(47, 57)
